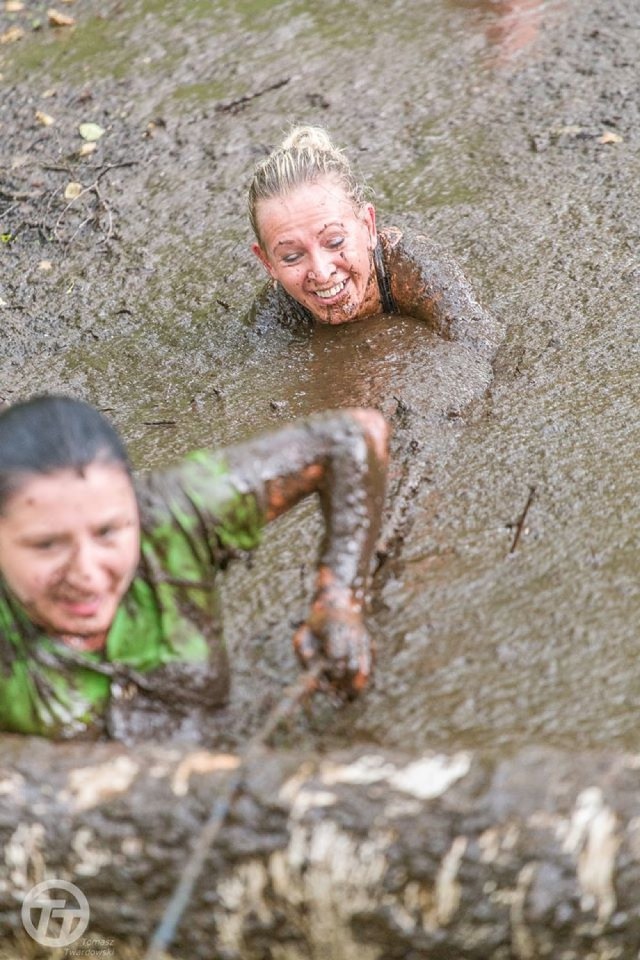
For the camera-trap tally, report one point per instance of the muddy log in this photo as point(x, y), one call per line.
point(351, 856)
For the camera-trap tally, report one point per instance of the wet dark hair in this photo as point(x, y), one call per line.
point(50, 433)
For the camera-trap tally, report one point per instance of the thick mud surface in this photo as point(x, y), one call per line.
point(508, 132)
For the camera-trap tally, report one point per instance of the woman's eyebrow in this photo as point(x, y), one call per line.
point(30, 537)
point(332, 223)
point(286, 242)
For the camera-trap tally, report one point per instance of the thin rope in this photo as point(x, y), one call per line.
point(166, 930)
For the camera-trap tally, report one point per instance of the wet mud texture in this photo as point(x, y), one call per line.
point(521, 163)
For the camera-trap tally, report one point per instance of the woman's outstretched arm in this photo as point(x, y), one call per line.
point(342, 456)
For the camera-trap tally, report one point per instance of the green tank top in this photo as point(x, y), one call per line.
point(194, 518)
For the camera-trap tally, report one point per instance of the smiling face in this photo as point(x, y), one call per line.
point(319, 247)
point(69, 547)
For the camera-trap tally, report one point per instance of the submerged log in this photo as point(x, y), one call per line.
point(353, 856)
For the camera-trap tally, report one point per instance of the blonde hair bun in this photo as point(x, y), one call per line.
point(311, 138)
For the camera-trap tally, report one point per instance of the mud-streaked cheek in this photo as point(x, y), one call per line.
point(39, 588)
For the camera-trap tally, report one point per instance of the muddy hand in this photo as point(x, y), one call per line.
point(338, 635)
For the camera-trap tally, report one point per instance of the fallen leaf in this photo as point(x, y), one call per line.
point(87, 149)
point(57, 19)
point(572, 130)
point(44, 118)
point(45, 265)
point(610, 137)
point(13, 6)
point(90, 131)
point(11, 35)
point(73, 190)
point(51, 92)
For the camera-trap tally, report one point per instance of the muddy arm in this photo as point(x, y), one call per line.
point(430, 286)
point(342, 457)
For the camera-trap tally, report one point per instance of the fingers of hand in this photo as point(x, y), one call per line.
point(306, 645)
point(344, 644)
point(348, 649)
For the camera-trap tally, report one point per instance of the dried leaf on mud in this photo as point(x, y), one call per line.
point(11, 35)
point(45, 265)
point(73, 190)
point(44, 118)
point(90, 131)
point(572, 130)
point(13, 6)
point(610, 137)
point(57, 19)
point(87, 149)
point(51, 92)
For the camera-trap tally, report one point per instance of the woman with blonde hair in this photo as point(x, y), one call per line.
point(316, 236)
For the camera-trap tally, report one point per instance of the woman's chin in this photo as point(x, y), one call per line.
point(79, 622)
point(335, 314)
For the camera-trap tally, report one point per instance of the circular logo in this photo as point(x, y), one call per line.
point(55, 913)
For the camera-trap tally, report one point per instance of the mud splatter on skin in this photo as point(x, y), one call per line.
point(350, 313)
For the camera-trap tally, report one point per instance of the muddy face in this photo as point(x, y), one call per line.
point(69, 544)
point(319, 248)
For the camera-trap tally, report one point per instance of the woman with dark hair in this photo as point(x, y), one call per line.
point(107, 586)
point(317, 238)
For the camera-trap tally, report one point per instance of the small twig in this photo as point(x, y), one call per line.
point(115, 166)
point(106, 209)
point(18, 195)
point(68, 207)
point(94, 216)
point(43, 221)
point(230, 106)
point(103, 205)
point(9, 209)
point(57, 168)
point(75, 233)
point(521, 521)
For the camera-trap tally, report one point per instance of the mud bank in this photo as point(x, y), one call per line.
point(355, 854)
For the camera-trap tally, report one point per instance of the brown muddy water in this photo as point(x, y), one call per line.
point(509, 132)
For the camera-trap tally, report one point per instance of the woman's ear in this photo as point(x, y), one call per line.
point(369, 217)
point(263, 258)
